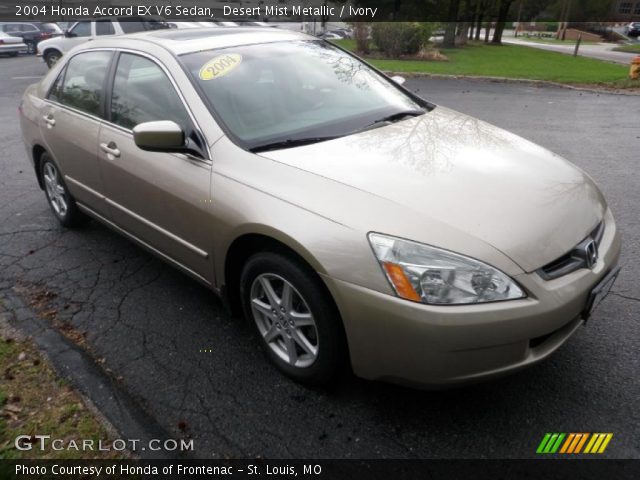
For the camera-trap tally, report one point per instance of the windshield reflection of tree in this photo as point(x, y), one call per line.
point(347, 69)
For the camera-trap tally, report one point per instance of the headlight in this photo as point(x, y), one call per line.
point(427, 274)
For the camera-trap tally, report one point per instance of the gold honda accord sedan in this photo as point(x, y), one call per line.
point(350, 221)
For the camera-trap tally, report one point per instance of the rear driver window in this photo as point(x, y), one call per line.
point(55, 93)
point(84, 80)
point(104, 27)
point(143, 93)
point(132, 26)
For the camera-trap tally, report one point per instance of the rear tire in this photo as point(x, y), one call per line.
point(294, 317)
point(52, 57)
point(60, 200)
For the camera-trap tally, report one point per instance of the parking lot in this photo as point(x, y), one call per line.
point(148, 325)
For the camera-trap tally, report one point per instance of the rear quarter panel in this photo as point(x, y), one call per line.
point(32, 105)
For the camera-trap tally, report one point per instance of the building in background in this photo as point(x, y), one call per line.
point(626, 11)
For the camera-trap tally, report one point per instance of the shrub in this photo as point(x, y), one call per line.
point(551, 27)
point(398, 38)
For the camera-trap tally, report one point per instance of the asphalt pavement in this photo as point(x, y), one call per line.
point(148, 326)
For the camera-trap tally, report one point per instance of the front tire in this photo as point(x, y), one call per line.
point(296, 321)
point(31, 48)
point(60, 200)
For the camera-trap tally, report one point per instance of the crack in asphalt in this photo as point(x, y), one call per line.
point(627, 297)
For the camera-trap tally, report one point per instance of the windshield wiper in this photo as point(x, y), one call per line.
point(394, 117)
point(290, 143)
point(298, 142)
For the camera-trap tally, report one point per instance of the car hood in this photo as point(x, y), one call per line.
point(453, 169)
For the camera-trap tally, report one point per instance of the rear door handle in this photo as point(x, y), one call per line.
point(49, 120)
point(110, 149)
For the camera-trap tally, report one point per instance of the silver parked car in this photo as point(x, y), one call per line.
point(10, 45)
point(345, 217)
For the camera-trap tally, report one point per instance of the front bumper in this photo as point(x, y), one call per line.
point(405, 342)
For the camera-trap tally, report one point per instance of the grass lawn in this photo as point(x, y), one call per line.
point(511, 61)
point(635, 48)
point(33, 401)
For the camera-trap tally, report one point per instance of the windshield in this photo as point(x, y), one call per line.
point(294, 91)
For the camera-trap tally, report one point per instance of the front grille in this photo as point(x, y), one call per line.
point(575, 259)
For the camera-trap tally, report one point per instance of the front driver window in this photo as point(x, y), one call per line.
point(84, 80)
point(143, 93)
point(82, 29)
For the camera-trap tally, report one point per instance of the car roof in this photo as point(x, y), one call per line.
point(22, 22)
point(180, 41)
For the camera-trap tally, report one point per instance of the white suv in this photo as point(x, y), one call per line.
point(51, 50)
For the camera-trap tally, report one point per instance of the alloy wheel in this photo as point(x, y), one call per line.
point(284, 320)
point(55, 190)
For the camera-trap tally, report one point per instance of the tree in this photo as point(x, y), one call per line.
point(503, 12)
point(361, 32)
point(450, 30)
point(484, 11)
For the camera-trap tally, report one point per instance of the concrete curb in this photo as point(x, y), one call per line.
point(526, 81)
point(120, 411)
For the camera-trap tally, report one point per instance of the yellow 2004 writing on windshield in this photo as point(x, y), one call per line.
point(220, 66)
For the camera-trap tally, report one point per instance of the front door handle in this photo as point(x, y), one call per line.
point(110, 149)
point(49, 120)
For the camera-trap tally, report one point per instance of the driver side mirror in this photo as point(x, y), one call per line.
point(398, 79)
point(159, 136)
point(69, 34)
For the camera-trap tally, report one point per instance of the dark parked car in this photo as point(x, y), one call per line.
point(633, 29)
point(31, 32)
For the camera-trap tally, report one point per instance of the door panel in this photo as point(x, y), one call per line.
point(161, 198)
point(70, 126)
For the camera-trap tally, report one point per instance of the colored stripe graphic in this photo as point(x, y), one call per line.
point(594, 437)
point(581, 442)
point(543, 443)
point(556, 445)
point(598, 442)
point(550, 443)
point(605, 443)
point(573, 443)
point(567, 443)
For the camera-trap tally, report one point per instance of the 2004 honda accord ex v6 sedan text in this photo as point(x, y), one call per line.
point(346, 218)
